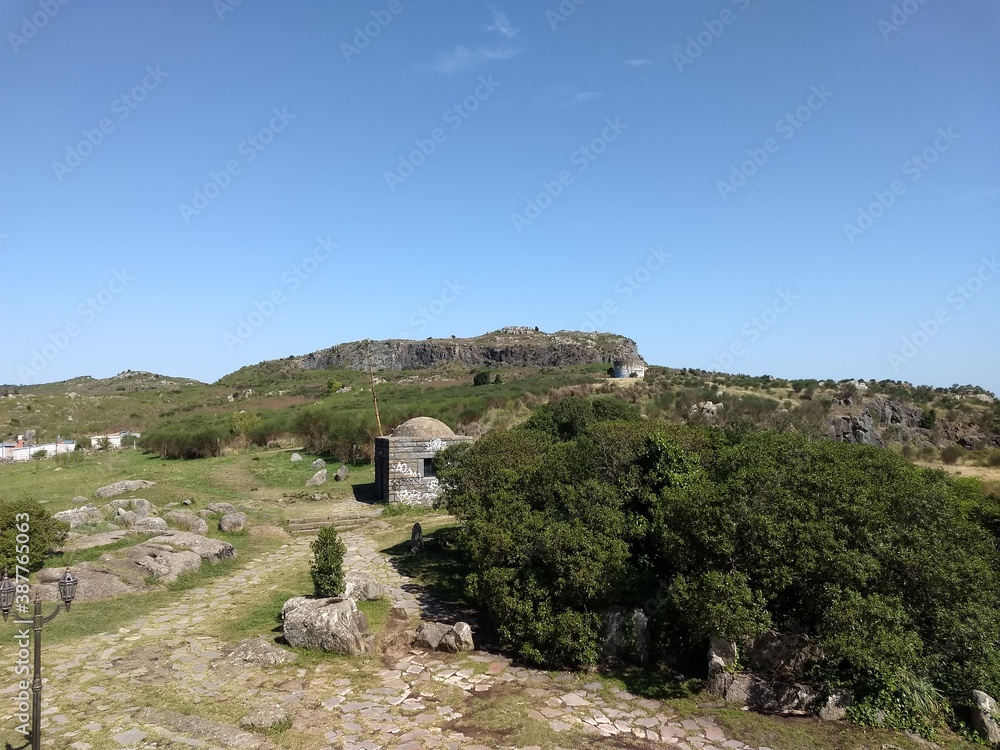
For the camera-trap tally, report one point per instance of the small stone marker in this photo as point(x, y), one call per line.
point(341, 474)
point(319, 463)
point(296, 458)
point(417, 539)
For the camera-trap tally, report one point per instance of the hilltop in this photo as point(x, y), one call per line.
point(511, 346)
point(434, 377)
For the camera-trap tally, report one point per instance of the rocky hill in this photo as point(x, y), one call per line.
point(513, 346)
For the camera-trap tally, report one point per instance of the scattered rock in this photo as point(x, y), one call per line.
point(220, 508)
point(296, 458)
point(363, 587)
point(189, 501)
point(186, 520)
point(985, 715)
point(341, 474)
point(232, 522)
point(707, 410)
point(207, 548)
point(141, 508)
point(94, 582)
point(333, 624)
point(80, 516)
point(261, 651)
point(264, 717)
point(162, 561)
point(118, 488)
point(319, 463)
point(317, 479)
point(458, 638)
point(429, 634)
point(835, 707)
point(151, 523)
point(319, 496)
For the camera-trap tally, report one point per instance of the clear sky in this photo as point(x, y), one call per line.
point(798, 189)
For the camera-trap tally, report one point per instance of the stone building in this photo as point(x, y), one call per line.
point(629, 368)
point(404, 461)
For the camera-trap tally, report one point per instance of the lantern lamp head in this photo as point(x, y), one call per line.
point(67, 587)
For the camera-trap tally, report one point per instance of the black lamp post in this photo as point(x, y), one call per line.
point(67, 591)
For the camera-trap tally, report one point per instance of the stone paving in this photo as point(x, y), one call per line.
point(96, 686)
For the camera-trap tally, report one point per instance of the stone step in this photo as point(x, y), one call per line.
point(314, 528)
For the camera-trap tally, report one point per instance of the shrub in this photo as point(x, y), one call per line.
point(481, 378)
point(952, 453)
point(45, 534)
point(327, 568)
point(891, 568)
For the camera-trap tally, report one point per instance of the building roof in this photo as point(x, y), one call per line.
point(423, 427)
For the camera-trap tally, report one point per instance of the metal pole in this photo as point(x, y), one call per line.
point(36, 682)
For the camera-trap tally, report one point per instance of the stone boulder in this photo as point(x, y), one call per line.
point(88, 514)
point(985, 717)
point(264, 717)
point(317, 479)
point(363, 587)
point(208, 549)
point(341, 474)
point(126, 518)
point(458, 638)
point(94, 582)
point(118, 488)
point(141, 508)
point(333, 624)
point(187, 521)
point(781, 656)
point(319, 463)
point(162, 560)
point(261, 651)
point(436, 636)
point(851, 429)
point(232, 522)
point(220, 508)
point(626, 636)
point(429, 634)
point(708, 411)
point(835, 707)
point(296, 458)
point(151, 523)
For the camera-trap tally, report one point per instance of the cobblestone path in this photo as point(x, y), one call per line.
point(105, 691)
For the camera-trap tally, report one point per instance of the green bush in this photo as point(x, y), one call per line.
point(891, 568)
point(45, 534)
point(481, 378)
point(952, 453)
point(327, 569)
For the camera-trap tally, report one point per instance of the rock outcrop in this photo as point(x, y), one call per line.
point(119, 488)
point(514, 346)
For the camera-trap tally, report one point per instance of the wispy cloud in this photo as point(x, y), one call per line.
point(586, 96)
point(501, 24)
point(462, 57)
point(637, 62)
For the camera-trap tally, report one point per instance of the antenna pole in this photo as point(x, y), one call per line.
point(371, 380)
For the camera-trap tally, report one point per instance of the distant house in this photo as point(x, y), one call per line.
point(24, 450)
point(404, 461)
point(114, 439)
point(629, 368)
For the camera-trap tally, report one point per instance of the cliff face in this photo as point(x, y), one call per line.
point(514, 346)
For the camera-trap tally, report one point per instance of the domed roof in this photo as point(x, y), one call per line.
point(423, 427)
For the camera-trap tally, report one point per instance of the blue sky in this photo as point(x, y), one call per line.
point(804, 190)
